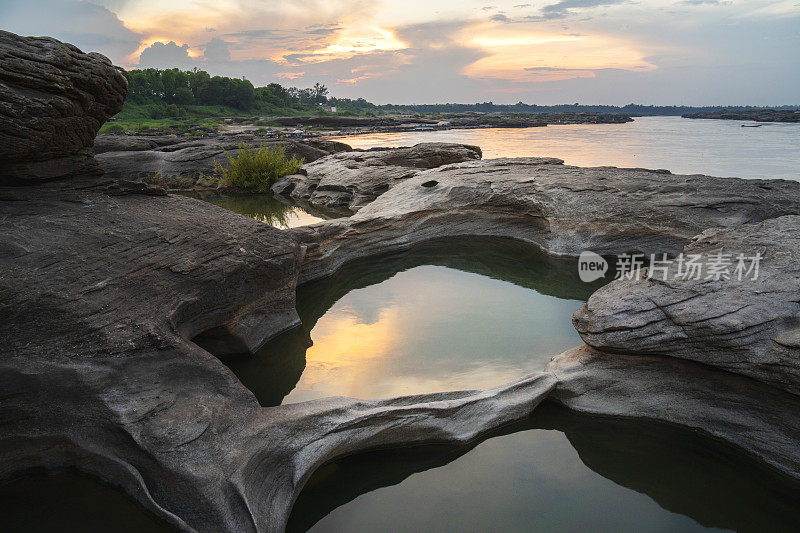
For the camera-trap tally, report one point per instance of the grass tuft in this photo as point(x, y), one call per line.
point(256, 168)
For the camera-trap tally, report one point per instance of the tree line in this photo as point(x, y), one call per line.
point(177, 87)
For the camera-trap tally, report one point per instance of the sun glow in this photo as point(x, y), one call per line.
point(526, 55)
point(353, 41)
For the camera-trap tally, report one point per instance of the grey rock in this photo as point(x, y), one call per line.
point(560, 209)
point(750, 327)
point(754, 417)
point(182, 162)
point(53, 99)
point(353, 179)
point(101, 295)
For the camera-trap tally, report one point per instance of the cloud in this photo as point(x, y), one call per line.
point(567, 7)
point(217, 50)
point(500, 18)
point(165, 55)
point(90, 27)
point(703, 3)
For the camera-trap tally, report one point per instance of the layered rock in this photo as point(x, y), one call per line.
point(179, 163)
point(101, 295)
point(742, 316)
point(53, 100)
point(754, 417)
point(560, 209)
point(353, 179)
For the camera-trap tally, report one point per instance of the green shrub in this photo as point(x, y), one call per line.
point(257, 168)
point(111, 128)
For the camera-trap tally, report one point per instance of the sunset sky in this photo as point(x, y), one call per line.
point(427, 51)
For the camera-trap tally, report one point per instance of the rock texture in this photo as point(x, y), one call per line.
point(560, 209)
point(353, 179)
point(100, 296)
point(747, 326)
point(53, 100)
point(181, 163)
point(754, 417)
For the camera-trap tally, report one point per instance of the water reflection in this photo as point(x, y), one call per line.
point(684, 146)
point(272, 210)
point(453, 314)
point(72, 502)
point(557, 470)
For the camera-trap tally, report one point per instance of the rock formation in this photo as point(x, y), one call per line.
point(353, 179)
point(727, 320)
point(180, 163)
point(100, 297)
point(558, 208)
point(104, 283)
point(53, 100)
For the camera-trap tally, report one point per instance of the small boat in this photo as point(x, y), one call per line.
point(752, 125)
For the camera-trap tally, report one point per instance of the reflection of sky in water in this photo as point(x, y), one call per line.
point(266, 208)
point(433, 328)
point(684, 146)
point(526, 481)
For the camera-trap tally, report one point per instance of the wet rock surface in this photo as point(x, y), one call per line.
point(355, 178)
point(53, 99)
point(746, 322)
point(183, 163)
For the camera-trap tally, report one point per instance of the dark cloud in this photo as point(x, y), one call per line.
point(500, 18)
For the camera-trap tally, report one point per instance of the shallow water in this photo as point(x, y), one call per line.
point(68, 501)
point(447, 315)
point(557, 471)
point(473, 313)
point(683, 146)
point(271, 210)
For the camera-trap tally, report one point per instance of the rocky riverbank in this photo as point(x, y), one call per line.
point(757, 115)
point(383, 124)
point(105, 283)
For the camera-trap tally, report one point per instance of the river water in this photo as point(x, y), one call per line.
point(681, 145)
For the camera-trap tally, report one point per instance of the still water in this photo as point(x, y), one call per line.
point(271, 210)
point(446, 315)
point(473, 313)
point(681, 145)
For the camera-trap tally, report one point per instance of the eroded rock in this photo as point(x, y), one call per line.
point(734, 322)
point(754, 417)
point(53, 99)
point(353, 179)
point(559, 208)
point(178, 162)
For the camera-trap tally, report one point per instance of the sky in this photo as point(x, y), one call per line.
point(682, 52)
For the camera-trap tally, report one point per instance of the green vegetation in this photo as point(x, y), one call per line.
point(258, 168)
point(173, 99)
point(189, 101)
